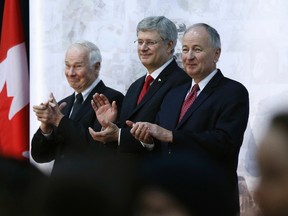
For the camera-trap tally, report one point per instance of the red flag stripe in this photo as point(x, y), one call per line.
point(14, 95)
point(11, 36)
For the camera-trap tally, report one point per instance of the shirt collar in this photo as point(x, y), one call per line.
point(87, 91)
point(156, 73)
point(204, 82)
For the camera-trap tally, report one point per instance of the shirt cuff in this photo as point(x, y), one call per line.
point(119, 134)
point(149, 147)
point(47, 135)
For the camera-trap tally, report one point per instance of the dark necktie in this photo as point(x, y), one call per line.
point(189, 100)
point(148, 81)
point(77, 105)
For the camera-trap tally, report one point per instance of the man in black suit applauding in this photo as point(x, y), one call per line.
point(63, 128)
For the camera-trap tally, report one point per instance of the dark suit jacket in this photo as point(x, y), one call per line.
point(147, 109)
point(72, 135)
point(213, 127)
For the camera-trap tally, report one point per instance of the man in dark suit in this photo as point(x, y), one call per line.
point(213, 125)
point(156, 41)
point(63, 128)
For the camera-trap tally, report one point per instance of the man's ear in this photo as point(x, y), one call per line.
point(170, 46)
point(217, 54)
point(97, 66)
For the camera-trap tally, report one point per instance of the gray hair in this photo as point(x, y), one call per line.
point(94, 54)
point(214, 36)
point(166, 28)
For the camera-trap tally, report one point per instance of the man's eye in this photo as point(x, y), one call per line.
point(150, 43)
point(185, 50)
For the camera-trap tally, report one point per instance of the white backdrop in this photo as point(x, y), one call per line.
point(254, 50)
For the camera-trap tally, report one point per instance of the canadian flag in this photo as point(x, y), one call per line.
point(14, 89)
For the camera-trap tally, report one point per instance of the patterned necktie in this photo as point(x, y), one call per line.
point(188, 101)
point(148, 81)
point(77, 106)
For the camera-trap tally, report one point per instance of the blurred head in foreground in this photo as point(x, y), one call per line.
point(272, 191)
point(87, 184)
point(182, 186)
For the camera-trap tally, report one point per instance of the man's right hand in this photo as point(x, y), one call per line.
point(109, 133)
point(104, 111)
point(49, 114)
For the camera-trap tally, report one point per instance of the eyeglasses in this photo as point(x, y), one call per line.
point(148, 43)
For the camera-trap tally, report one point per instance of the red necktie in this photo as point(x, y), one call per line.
point(148, 81)
point(189, 100)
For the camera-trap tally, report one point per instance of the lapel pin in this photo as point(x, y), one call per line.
point(159, 80)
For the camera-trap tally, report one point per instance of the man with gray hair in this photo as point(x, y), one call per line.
point(63, 127)
point(156, 41)
point(206, 117)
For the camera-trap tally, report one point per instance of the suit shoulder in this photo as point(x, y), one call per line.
point(136, 83)
point(66, 99)
point(230, 86)
point(113, 91)
point(181, 76)
point(177, 90)
point(234, 83)
point(113, 94)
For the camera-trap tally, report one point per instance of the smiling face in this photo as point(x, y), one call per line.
point(155, 54)
point(272, 191)
point(78, 71)
point(199, 57)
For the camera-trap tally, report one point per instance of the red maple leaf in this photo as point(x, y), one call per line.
point(14, 133)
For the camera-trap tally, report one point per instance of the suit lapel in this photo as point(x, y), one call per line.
point(156, 85)
point(70, 101)
point(176, 105)
point(132, 106)
point(205, 93)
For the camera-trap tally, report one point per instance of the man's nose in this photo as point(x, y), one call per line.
point(71, 70)
point(191, 54)
point(143, 46)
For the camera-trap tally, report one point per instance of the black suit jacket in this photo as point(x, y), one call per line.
point(72, 135)
point(147, 109)
point(212, 128)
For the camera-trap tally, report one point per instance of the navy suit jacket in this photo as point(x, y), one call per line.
point(213, 127)
point(72, 135)
point(147, 109)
